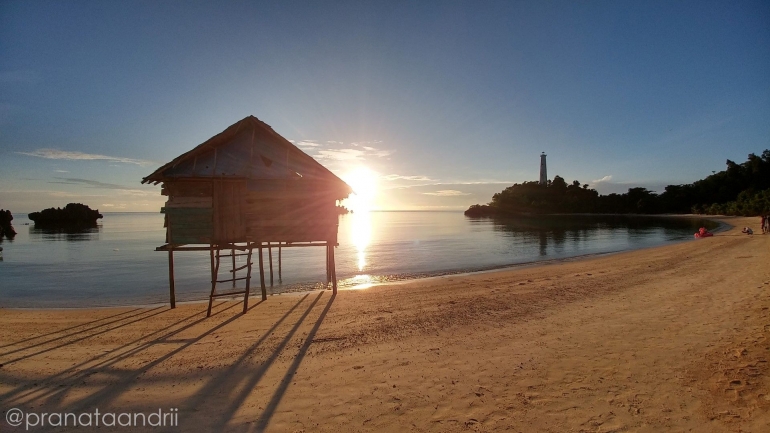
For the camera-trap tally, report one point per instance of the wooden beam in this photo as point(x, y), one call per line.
point(262, 275)
point(328, 271)
point(232, 254)
point(270, 259)
point(214, 272)
point(334, 271)
point(172, 293)
point(248, 283)
point(186, 247)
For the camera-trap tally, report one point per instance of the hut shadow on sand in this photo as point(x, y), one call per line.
point(247, 189)
point(109, 379)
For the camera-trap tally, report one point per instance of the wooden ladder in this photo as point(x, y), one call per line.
point(216, 258)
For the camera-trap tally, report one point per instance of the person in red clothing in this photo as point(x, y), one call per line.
point(703, 233)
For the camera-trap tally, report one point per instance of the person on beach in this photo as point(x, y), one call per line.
point(748, 231)
point(763, 222)
point(703, 233)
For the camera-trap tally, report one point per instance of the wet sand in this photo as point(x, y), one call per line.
point(672, 338)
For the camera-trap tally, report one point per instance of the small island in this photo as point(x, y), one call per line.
point(74, 215)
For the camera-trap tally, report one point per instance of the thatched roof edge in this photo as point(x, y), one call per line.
point(222, 138)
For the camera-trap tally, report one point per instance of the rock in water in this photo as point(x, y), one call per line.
point(74, 215)
point(6, 229)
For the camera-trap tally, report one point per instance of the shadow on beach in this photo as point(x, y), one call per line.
point(104, 380)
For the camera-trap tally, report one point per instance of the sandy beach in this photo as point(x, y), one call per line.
point(672, 338)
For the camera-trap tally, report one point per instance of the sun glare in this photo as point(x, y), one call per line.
point(364, 184)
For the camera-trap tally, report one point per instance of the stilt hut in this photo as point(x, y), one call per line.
point(247, 188)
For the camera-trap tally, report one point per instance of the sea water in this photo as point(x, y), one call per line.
point(116, 262)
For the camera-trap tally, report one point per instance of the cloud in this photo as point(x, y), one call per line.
point(447, 193)
point(91, 183)
point(392, 177)
point(604, 179)
point(29, 192)
point(307, 143)
point(373, 151)
point(341, 154)
point(459, 182)
point(61, 171)
point(80, 156)
point(481, 182)
point(102, 185)
point(352, 154)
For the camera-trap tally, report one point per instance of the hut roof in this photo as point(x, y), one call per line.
point(251, 150)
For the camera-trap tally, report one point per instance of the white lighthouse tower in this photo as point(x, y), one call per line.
point(543, 171)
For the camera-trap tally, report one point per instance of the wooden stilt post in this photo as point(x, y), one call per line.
point(172, 293)
point(328, 270)
point(262, 274)
point(279, 262)
point(333, 270)
point(248, 281)
point(214, 273)
point(270, 258)
point(232, 252)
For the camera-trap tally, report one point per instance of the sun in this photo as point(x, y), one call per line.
point(364, 184)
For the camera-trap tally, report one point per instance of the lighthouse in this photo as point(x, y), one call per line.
point(543, 171)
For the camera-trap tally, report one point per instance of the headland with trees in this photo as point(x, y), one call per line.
point(741, 189)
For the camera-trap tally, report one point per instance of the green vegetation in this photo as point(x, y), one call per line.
point(741, 189)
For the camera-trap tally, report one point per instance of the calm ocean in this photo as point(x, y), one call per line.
point(115, 264)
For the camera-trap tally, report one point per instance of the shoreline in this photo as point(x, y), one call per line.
point(400, 279)
point(668, 338)
point(362, 286)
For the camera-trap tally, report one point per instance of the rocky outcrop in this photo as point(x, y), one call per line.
point(74, 215)
point(6, 229)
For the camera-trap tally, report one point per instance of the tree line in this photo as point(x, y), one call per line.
point(741, 189)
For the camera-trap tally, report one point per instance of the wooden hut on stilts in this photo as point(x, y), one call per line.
point(247, 188)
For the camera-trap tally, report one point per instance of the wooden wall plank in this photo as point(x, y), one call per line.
point(189, 202)
point(188, 188)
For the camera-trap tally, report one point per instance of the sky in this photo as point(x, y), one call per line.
point(446, 102)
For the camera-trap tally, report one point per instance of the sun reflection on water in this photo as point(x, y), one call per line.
point(364, 184)
point(361, 282)
point(361, 232)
